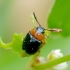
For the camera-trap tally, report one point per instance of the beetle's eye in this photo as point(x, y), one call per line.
point(33, 31)
point(39, 36)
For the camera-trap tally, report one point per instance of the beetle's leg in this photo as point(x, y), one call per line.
point(39, 50)
point(47, 36)
point(43, 41)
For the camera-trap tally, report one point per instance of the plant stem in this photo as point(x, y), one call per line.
point(52, 63)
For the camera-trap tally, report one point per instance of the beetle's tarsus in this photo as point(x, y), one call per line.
point(43, 41)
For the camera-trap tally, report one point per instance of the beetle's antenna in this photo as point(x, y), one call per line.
point(36, 19)
point(54, 30)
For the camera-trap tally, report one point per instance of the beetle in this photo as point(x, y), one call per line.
point(35, 38)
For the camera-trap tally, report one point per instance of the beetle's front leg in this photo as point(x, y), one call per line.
point(43, 41)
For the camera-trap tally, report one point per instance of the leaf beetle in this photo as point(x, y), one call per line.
point(35, 38)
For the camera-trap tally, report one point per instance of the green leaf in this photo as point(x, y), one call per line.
point(15, 45)
point(60, 16)
point(17, 42)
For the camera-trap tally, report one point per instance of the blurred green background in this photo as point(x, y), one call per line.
point(15, 18)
